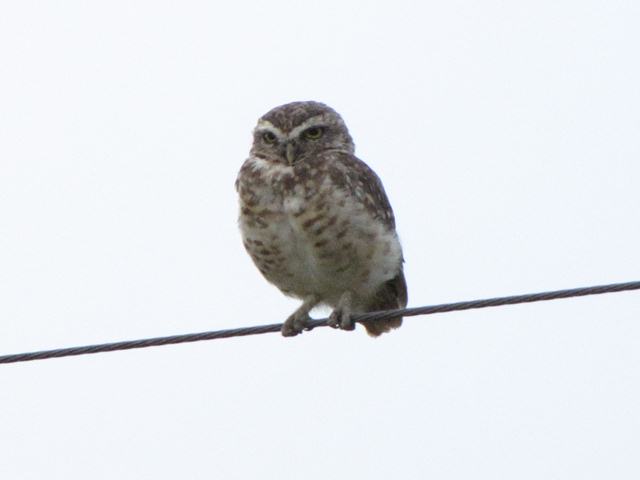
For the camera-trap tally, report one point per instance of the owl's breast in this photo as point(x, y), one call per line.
point(307, 236)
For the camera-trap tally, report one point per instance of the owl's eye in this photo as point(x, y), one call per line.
point(313, 133)
point(269, 137)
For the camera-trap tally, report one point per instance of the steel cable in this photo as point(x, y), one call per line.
point(260, 329)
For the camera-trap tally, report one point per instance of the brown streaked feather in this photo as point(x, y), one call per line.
point(354, 176)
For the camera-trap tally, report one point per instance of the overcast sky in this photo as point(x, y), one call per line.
point(507, 135)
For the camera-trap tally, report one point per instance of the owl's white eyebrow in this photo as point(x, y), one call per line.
point(317, 121)
point(267, 126)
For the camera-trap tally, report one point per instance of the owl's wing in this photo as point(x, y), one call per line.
point(355, 177)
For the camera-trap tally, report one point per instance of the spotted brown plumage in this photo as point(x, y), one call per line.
point(316, 220)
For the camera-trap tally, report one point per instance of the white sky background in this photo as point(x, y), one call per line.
point(507, 135)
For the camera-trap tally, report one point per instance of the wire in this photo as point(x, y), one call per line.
point(260, 329)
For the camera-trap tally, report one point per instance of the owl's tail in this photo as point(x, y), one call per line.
point(391, 295)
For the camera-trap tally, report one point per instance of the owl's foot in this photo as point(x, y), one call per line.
point(341, 315)
point(295, 324)
point(299, 320)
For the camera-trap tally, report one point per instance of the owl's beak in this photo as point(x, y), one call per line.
point(291, 152)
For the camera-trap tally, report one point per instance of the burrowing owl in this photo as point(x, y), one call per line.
point(316, 220)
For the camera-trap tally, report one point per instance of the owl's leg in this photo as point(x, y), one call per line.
point(299, 319)
point(341, 315)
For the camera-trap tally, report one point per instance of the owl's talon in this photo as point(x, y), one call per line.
point(341, 315)
point(299, 320)
point(341, 318)
point(294, 325)
point(347, 323)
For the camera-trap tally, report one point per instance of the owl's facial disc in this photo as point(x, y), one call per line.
point(288, 144)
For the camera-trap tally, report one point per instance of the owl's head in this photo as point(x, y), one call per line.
point(291, 133)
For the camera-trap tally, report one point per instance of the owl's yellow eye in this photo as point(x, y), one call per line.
point(269, 137)
point(313, 133)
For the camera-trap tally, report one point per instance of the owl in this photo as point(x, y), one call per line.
point(316, 220)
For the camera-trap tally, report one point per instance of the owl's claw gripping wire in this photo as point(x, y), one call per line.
point(341, 317)
point(299, 320)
